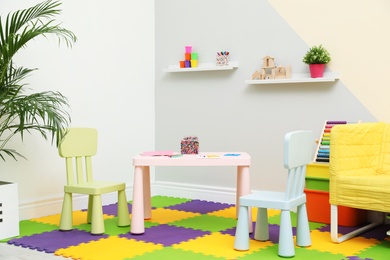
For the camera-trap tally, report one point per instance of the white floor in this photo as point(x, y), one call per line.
point(11, 252)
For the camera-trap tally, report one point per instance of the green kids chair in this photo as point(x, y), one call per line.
point(77, 147)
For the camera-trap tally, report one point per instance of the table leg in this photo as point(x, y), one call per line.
point(243, 188)
point(137, 213)
point(147, 195)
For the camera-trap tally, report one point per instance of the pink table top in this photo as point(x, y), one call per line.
point(201, 159)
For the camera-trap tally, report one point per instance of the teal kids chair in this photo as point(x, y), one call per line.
point(78, 147)
point(298, 152)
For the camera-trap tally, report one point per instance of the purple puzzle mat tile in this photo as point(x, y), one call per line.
point(378, 233)
point(273, 230)
point(200, 206)
point(166, 235)
point(358, 258)
point(342, 229)
point(112, 209)
point(50, 242)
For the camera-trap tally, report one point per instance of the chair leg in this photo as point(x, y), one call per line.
point(90, 207)
point(241, 240)
point(97, 221)
point(123, 210)
point(286, 240)
point(334, 227)
point(334, 234)
point(261, 230)
point(66, 222)
point(303, 229)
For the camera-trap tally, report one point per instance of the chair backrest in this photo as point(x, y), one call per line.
point(298, 152)
point(360, 149)
point(77, 147)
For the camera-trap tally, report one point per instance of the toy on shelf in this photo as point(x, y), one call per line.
point(222, 58)
point(190, 58)
point(270, 71)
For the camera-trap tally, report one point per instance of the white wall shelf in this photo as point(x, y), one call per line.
point(298, 78)
point(202, 67)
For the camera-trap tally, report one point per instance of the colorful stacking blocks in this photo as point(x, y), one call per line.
point(190, 58)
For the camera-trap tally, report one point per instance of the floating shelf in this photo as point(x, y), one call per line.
point(202, 67)
point(298, 78)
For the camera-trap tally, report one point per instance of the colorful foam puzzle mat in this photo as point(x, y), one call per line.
point(188, 229)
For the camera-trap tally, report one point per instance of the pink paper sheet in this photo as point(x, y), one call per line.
point(158, 153)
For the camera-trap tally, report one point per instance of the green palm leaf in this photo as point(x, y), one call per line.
point(43, 112)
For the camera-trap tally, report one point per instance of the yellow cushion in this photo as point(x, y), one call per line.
point(360, 166)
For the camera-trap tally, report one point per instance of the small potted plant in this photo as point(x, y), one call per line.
point(317, 57)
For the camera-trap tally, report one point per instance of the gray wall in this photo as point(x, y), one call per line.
point(218, 107)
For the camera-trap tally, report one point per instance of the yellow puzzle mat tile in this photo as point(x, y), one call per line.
point(79, 217)
point(226, 213)
point(322, 242)
point(231, 213)
point(108, 248)
point(164, 216)
point(219, 245)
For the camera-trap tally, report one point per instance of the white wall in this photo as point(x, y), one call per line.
point(224, 112)
point(114, 82)
point(108, 77)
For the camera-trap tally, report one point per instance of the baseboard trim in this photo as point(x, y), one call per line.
point(191, 191)
point(53, 205)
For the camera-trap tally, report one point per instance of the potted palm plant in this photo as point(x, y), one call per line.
point(44, 112)
point(20, 113)
point(317, 57)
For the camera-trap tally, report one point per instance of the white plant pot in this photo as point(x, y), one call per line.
point(9, 210)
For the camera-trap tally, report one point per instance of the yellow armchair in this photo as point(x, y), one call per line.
point(359, 171)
